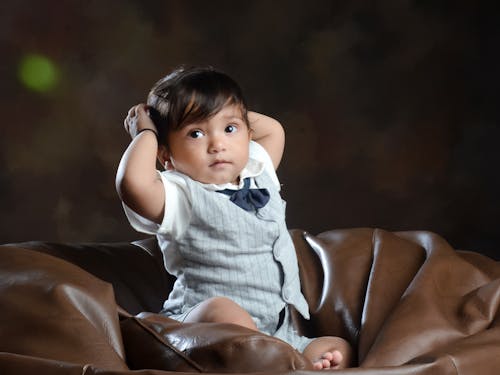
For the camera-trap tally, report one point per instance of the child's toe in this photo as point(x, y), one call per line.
point(337, 357)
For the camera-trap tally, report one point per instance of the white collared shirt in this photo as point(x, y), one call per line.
point(177, 212)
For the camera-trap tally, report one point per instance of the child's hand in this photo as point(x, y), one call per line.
point(137, 120)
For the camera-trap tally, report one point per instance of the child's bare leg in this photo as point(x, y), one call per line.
point(221, 310)
point(329, 352)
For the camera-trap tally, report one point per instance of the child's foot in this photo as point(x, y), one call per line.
point(329, 361)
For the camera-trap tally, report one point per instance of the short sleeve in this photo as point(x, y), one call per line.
point(259, 153)
point(177, 209)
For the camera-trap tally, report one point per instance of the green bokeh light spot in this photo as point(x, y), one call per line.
point(38, 73)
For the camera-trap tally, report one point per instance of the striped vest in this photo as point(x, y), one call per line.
point(248, 257)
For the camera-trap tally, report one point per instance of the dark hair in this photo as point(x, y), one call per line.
point(189, 95)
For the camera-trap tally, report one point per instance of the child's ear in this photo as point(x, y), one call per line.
point(163, 157)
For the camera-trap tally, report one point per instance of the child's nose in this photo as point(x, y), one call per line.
point(216, 144)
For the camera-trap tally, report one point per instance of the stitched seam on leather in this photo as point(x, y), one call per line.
point(313, 243)
point(370, 276)
point(365, 298)
point(151, 254)
point(169, 345)
point(453, 362)
point(85, 368)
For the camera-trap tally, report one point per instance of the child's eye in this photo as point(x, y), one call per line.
point(196, 134)
point(230, 129)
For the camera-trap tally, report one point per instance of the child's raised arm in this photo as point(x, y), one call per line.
point(137, 181)
point(269, 134)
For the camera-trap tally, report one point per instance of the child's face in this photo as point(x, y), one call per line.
point(214, 150)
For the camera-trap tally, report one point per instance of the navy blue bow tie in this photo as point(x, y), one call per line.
point(246, 198)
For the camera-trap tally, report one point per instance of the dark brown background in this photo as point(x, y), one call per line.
point(390, 108)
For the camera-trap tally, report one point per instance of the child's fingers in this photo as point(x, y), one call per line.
point(137, 118)
point(126, 124)
point(129, 121)
point(132, 113)
point(140, 110)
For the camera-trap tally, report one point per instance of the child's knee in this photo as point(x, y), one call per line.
point(228, 311)
point(222, 310)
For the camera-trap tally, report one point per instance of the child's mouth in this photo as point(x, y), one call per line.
point(219, 163)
